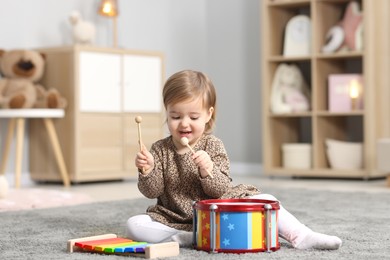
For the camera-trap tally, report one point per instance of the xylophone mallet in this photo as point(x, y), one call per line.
point(138, 120)
point(184, 141)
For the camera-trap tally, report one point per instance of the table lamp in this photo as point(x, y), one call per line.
point(354, 90)
point(109, 8)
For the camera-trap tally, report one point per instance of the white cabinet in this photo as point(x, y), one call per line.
point(105, 88)
point(100, 82)
point(144, 75)
point(119, 82)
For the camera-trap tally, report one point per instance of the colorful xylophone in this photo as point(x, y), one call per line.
point(111, 244)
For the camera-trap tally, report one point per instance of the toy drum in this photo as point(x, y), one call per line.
point(236, 225)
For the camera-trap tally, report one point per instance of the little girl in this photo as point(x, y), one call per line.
point(175, 176)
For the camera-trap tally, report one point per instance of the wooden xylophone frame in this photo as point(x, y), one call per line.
point(150, 250)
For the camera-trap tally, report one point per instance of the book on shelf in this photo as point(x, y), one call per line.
point(345, 92)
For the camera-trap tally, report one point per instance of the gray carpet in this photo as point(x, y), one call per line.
point(361, 220)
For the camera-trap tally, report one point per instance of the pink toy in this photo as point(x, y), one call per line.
point(347, 34)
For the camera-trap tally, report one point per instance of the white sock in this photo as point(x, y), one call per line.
point(184, 238)
point(315, 240)
point(299, 235)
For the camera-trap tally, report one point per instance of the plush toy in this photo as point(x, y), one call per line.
point(348, 33)
point(21, 70)
point(290, 92)
point(83, 31)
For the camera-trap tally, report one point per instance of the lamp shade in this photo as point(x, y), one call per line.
point(108, 8)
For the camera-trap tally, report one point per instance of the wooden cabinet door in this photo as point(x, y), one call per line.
point(100, 82)
point(100, 147)
point(142, 83)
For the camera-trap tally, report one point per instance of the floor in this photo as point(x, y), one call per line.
point(127, 189)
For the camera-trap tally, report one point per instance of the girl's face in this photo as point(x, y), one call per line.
point(187, 119)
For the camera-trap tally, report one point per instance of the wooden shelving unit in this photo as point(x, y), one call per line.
point(315, 126)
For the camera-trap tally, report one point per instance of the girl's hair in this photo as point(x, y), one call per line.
point(188, 85)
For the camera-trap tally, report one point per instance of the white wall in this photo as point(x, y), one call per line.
point(219, 37)
point(234, 64)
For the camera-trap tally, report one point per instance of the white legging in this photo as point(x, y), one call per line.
point(143, 228)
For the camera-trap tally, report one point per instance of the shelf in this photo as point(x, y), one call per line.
point(365, 125)
point(289, 3)
point(301, 114)
point(330, 114)
point(333, 1)
point(333, 56)
point(279, 58)
point(319, 113)
point(341, 55)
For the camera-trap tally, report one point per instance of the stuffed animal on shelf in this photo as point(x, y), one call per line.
point(83, 31)
point(290, 92)
point(347, 35)
point(19, 88)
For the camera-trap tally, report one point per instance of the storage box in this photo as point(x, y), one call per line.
point(339, 98)
point(383, 152)
point(344, 155)
point(296, 155)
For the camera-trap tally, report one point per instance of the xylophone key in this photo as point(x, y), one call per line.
point(113, 245)
point(138, 248)
point(90, 245)
point(131, 247)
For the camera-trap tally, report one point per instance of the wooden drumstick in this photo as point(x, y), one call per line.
point(184, 141)
point(138, 120)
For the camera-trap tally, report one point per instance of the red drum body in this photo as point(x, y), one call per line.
point(236, 225)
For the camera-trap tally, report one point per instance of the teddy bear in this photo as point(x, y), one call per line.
point(290, 92)
point(21, 71)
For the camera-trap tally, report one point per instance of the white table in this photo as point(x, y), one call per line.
point(17, 118)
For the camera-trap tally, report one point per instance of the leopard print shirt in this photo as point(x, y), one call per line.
point(176, 183)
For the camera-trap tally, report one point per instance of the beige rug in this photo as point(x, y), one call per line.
point(33, 198)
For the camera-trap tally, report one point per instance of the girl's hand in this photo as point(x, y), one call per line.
point(203, 161)
point(144, 160)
